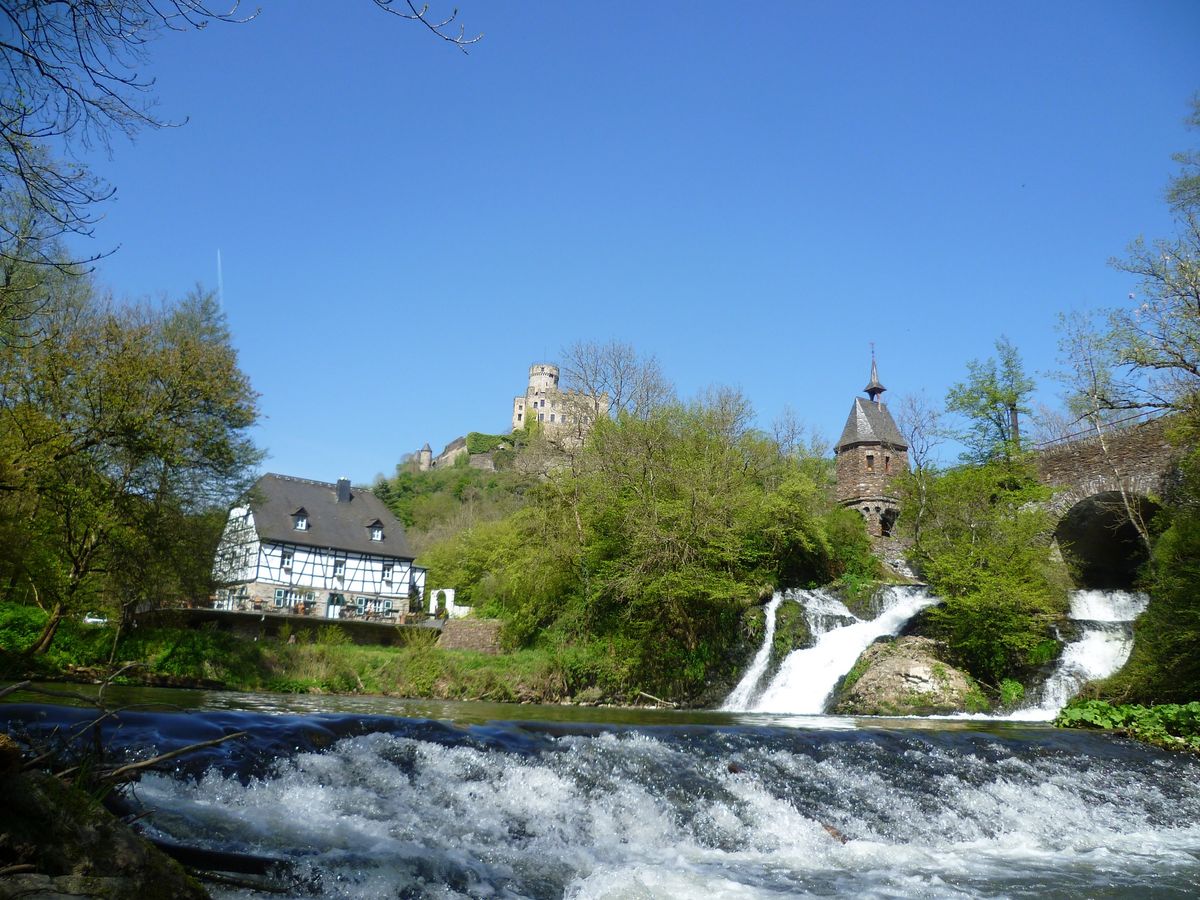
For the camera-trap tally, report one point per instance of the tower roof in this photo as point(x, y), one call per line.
point(870, 423)
point(874, 387)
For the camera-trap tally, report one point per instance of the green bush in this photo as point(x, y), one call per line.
point(1172, 726)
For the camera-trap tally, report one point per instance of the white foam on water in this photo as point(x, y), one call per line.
point(739, 698)
point(630, 815)
point(808, 676)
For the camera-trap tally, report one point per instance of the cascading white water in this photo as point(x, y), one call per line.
point(1105, 621)
point(807, 676)
point(740, 697)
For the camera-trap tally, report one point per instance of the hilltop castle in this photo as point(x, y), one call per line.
point(565, 415)
point(870, 453)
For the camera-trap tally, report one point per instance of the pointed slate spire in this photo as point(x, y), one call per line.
point(874, 388)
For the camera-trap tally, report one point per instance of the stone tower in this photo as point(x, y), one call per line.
point(425, 457)
point(870, 453)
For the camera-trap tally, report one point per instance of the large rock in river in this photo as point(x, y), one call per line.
point(903, 677)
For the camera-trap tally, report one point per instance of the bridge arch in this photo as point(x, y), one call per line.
point(1099, 541)
point(1094, 476)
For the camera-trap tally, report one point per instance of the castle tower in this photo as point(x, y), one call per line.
point(543, 377)
point(870, 453)
point(425, 458)
point(543, 384)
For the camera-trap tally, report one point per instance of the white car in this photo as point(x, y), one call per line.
point(95, 619)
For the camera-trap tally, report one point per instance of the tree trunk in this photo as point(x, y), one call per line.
point(46, 638)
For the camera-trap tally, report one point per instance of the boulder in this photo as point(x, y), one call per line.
point(903, 677)
point(56, 841)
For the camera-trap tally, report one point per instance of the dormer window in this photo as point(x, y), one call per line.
point(300, 519)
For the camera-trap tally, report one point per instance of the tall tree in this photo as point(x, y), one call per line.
point(123, 426)
point(615, 379)
point(991, 400)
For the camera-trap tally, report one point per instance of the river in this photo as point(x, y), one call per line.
point(378, 798)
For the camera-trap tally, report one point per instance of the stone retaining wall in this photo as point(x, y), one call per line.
point(480, 635)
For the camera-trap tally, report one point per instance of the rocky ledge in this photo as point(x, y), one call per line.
point(902, 677)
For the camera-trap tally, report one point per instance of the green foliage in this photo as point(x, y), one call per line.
point(996, 391)
point(332, 636)
point(651, 540)
point(477, 442)
point(1011, 692)
point(1173, 726)
point(123, 436)
point(1164, 666)
point(976, 700)
point(984, 547)
point(438, 504)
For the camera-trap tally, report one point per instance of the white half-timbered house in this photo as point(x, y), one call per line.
point(316, 548)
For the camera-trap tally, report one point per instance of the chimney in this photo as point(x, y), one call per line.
point(343, 490)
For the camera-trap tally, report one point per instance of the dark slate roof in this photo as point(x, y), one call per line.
point(341, 526)
point(870, 423)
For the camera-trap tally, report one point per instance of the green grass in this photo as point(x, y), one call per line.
point(328, 664)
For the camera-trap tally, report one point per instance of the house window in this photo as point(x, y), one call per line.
point(300, 522)
point(339, 568)
point(543, 403)
point(377, 532)
point(541, 416)
point(551, 417)
point(870, 463)
point(285, 559)
point(289, 597)
point(387, 571)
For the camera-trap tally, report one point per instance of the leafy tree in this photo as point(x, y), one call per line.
point(984, 547)
point(991, 400)
point(645, 546)
point(120, 429)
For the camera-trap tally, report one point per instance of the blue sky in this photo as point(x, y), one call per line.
point(749, 192)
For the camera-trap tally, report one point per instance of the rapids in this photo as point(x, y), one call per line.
point(717, 805)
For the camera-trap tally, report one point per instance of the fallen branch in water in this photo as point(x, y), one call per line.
point(657, 700)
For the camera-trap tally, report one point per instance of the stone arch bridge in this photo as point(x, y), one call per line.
point(1106, 480)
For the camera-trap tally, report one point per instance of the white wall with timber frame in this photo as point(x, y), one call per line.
point(281, 574)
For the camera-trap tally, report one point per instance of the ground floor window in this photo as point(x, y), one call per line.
point(291, 598)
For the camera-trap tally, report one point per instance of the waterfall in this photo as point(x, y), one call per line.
point(808, 676)
point(740, 697)
point(1105, 639)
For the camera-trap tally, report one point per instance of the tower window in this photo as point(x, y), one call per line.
point(870, 462)
point(887, 464)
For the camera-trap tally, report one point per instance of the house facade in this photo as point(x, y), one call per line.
point(314, 548)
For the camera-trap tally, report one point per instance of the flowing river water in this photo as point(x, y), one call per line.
point(379, 798)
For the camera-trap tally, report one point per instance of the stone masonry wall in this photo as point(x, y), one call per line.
point(1139, 459)
point(856, 478)
point(480, 635)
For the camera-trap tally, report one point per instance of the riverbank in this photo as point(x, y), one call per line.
point(324, 663)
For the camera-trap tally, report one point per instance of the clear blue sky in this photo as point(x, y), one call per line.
point(750, 192)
